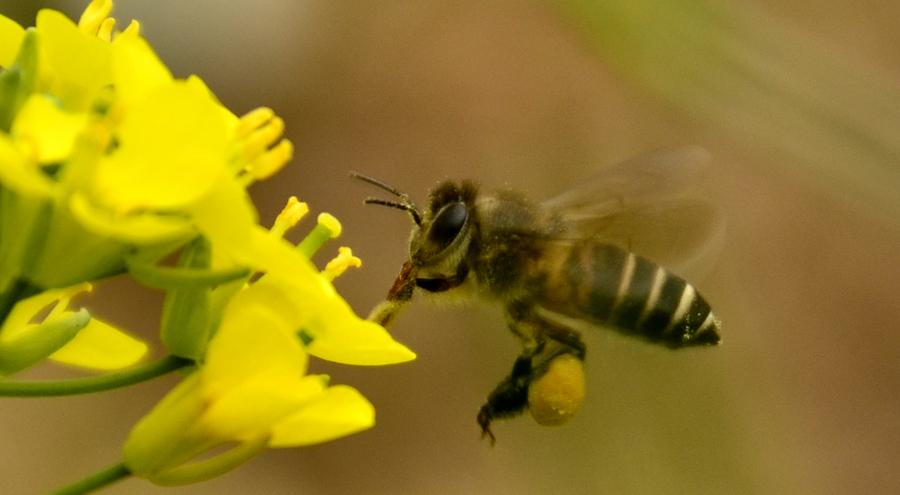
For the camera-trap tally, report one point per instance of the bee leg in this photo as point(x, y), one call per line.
point(543, 341)
point(567, 337)
point(400, 294)
point(509, 398)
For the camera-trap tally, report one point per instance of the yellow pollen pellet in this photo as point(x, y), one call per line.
point(556, 397)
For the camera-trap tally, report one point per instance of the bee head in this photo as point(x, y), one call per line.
point(445, 227)
point(440, 234)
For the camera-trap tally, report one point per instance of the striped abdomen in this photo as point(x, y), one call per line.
point(612, 286)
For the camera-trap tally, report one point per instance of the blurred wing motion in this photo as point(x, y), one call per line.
point(649, 205)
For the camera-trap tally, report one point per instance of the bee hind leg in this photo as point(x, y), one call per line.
point(509, 398)
point(568, 338)
point(543, 341)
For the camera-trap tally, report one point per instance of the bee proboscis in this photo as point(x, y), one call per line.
point(565, 262)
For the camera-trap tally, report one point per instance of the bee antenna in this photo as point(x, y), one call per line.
point(377, 183)
point(404, 203)
point(408, 207)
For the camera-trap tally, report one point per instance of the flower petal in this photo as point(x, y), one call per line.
point(172, 152)
point(19, 175)
point(231, 120)
point(11, 34)
point(101, 346)
point(140, 229)
point(252, 409)
point(226, 217)
point(137, 71)
point(342, 337)
point(337, 412)
point(47, 130)
point(79, 63)
point(253, 341)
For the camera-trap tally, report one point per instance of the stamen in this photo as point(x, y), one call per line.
point(340, 263)
point(292, 213)
point(252, 121)
point(106, 29)
point(94, 15)
point(133, 29)
point(270, 162)
point(263, 137)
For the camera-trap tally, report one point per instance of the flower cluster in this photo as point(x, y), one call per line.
point(111, 165)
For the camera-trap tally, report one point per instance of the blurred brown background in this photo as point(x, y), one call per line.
point(802, 397)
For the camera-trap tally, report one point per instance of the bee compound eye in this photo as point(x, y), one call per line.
point(555, 397)
point(448, 223)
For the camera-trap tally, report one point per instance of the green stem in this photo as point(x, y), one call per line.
point(91, 384)
point(97, 480)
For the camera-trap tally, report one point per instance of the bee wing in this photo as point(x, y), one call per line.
point(648, 205)
point(647, 178)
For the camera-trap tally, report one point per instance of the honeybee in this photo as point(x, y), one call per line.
point(563, 264)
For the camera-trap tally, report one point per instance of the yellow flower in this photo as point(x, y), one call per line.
point(103, 152)
point(304, 297)
point(108, 163)
point(251, 393)
point(105, 155)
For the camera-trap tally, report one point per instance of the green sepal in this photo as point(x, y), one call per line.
point(186, 310)
point(210, 467)
point(17, 82)
point(64, 253)
point(40, 341)
point(168, 278)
